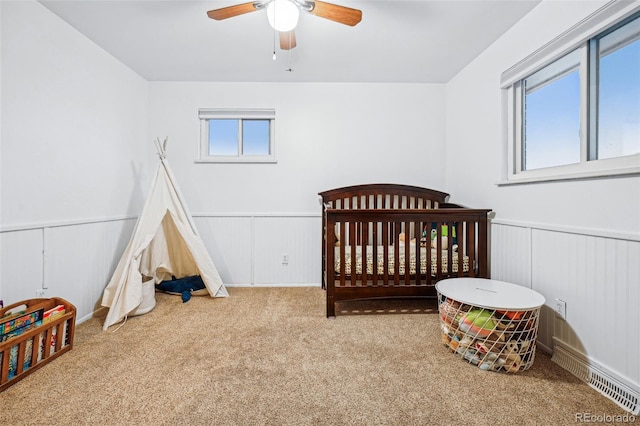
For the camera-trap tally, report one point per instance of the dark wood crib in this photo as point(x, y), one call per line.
point(393, 241)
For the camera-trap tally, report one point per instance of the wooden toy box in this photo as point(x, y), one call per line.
point(41, 331)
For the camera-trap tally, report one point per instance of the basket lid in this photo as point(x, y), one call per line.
point(490, 294)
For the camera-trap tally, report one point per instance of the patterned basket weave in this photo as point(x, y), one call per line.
point(495, 340)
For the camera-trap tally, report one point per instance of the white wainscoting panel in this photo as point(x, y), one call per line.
point(80, 260)
point(297, 238)
point(73, 261)
point(21, 271)
point(511, 254)
point(247, 249)
point(229, 242)
point(599, 279)
point(511, 262)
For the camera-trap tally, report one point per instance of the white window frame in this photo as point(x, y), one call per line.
point(576, 37)
point(206, 114)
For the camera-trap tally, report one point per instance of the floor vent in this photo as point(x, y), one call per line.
point(597, 379)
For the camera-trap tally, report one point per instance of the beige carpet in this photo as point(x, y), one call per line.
point(268, 356)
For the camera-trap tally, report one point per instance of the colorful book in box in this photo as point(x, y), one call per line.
point(52, 313)
point(49, 316)
point(8, 328)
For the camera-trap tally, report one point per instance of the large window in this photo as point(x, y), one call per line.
point(577, 114)
point(618, 96)
point(551, 110)
point(245, 136)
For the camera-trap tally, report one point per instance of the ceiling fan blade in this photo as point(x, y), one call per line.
point(287, 40)
point(231, 11)
point(342, 14)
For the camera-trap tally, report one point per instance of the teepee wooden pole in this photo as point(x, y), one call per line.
point(162, 153)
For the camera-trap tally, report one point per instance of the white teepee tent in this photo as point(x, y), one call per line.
point(165, 242)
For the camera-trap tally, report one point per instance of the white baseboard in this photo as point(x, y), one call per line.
point(544, 348)
point(597, 376)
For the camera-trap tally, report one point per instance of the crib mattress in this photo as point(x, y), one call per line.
point(391, 260)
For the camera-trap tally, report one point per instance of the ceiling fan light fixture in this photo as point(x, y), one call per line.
point(283, 15)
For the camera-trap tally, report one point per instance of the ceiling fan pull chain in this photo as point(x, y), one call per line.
point(290, 69)
point(274, 44)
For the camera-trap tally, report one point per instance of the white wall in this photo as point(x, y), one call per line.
point(577, 241)
point(327, 135)
point(1, 252)
point(75, 157)
point(74, 123)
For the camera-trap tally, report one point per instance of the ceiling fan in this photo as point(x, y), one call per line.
point(283, 15)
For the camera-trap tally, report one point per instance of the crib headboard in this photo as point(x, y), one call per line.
point(387, 196)
point(382, 196)
point(376, 196)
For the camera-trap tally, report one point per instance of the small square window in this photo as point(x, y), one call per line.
point(255, 137)
point(242, 136)
point(223, 137)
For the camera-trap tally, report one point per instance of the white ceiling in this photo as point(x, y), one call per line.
point(423, 41)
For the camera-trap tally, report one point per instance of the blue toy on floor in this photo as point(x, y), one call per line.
point(183, 286)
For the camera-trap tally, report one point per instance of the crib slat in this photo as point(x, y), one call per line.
point(407, 253)
point(343, 243)
point(418, 234)
point(353, 245)
point(385, 253)
point(427, 226)
point(396, 253)
point(438, 240)
point(374, 254)
point(449, 248)
point(329, 267)
point(363, 226)
point(471, 249)
point(459, 237)
point(483, 252)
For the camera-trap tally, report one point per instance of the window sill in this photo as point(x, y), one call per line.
point(601, 174)
point(237, 160)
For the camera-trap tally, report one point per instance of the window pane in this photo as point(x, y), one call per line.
point(551, 135)
point(619, 93)
point(255, 137)
point(223, 137)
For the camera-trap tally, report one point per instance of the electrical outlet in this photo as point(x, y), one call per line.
point(285, 259)
point(561, 309)
point(40, 292)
